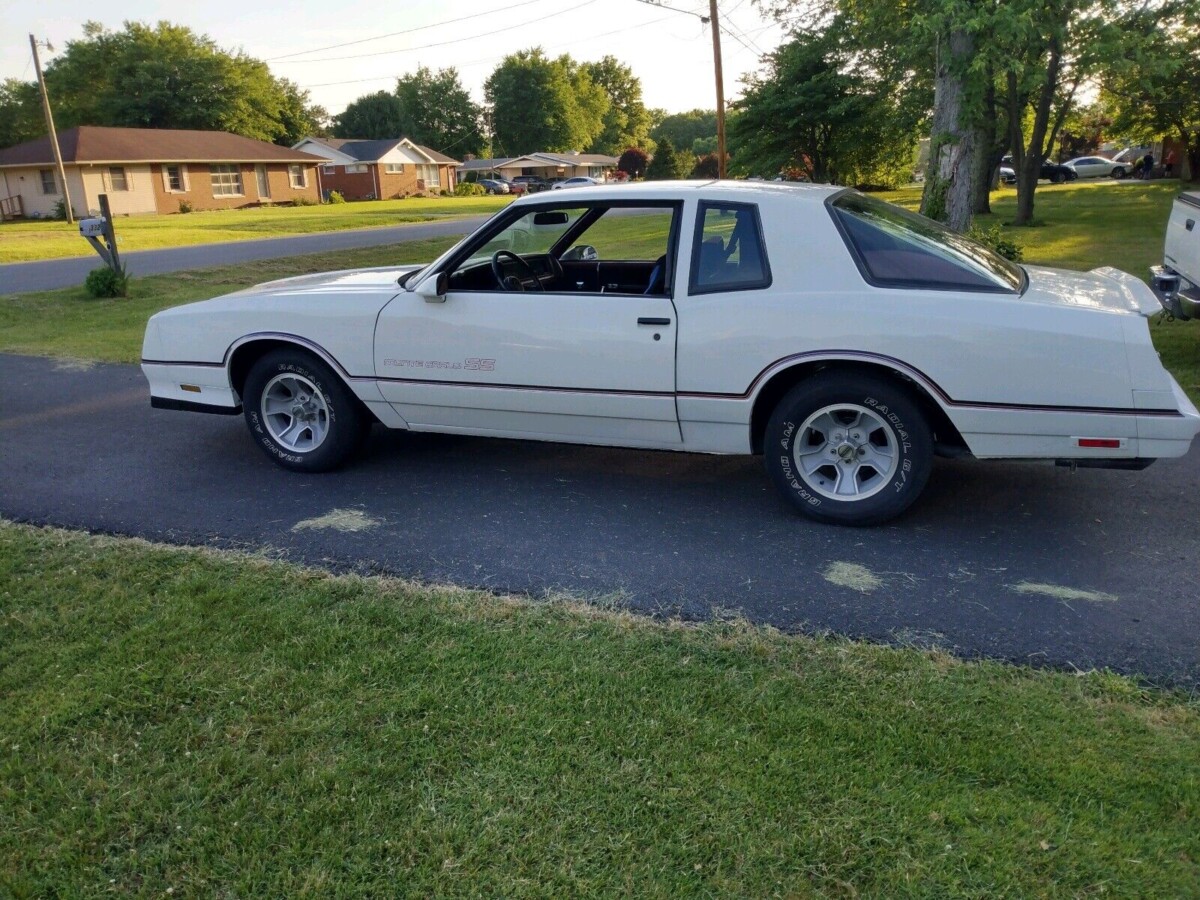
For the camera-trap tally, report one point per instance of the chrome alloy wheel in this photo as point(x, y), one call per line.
point(846, 452)
point(295, 413)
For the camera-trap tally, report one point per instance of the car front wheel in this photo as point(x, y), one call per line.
point(1118, 172)
point(300, 413)
point(849, 450)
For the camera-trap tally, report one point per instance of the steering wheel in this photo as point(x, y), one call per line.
point(511, 282)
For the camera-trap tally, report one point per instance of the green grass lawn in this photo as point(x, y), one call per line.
point(29, 240)
point(199, 724)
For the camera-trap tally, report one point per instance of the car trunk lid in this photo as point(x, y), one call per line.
point(1105, 289)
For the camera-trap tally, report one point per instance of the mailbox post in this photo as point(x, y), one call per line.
point(96, 228)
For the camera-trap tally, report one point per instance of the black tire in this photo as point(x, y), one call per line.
point(1057, 177)
point(1118, 172)
point(900, 440)
point(328, 408)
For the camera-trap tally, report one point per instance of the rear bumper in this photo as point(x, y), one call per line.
point(1178, 297)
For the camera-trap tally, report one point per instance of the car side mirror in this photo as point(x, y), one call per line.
point(581, 253)
point(433, 289)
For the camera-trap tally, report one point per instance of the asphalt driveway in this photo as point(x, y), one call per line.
point(1022, 562)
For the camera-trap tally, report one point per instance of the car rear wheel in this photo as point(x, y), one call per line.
point(1057, 177)
point(849, 450)
point(300, 413)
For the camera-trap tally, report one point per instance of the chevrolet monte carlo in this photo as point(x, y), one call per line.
point(845, 340)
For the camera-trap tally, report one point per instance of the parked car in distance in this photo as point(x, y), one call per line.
point(1096, 167)
point(1179, 275)
point(532, 183)
point(577, 181)
point(678, 315)
point(1052, 172)
point(494, 185)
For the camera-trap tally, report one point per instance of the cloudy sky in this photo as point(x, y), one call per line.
point(670, 51)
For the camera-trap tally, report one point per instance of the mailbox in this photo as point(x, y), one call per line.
point(91, 227)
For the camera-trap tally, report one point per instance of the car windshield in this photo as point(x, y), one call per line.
point(897, 248)
point(535, 232)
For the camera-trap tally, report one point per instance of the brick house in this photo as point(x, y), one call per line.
point(542, 165)
point(384, 169)
point(151, 170)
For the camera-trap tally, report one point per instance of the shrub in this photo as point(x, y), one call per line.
point(336, 197)
point(60, 210)
point(304, 201)
point(633, 162)
point(707, 166)
point(185, 206)
point(469, 189)
point(994, 239)
point(104, 282)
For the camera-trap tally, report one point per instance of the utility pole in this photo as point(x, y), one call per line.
point(716, 32)
point(62, 174)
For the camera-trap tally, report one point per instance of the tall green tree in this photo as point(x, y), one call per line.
point(20, 112)
point(167, 76)
point(669, 164)
point(537, 103)
point(1154, 87)
point(372, 117)
point(692, 129)
point(626, 122)
point(813, 109)
point(437, 111)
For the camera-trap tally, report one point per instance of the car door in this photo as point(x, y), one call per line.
point(592, 367)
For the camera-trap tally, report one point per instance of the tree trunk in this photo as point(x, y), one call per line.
point(987, 160)
point(950, 182)
point(1028, 164)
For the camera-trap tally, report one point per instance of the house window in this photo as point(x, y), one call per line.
point(226, 180)
point(355, 169)
point(49, 186)
point(116, 179)
point(428, 174)
point(175, 178)
point(394, 168)
point(298, 176)
point(329, 170)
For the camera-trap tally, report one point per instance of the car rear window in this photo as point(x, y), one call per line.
point(728, 252)
point(896, 248)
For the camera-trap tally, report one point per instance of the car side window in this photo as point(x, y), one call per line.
point(728, 253)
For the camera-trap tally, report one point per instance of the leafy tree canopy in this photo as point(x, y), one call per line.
point(627, 121)
point(812, 109)
point(537, 103)
point(668, 163)
point(161, 76)
point(695, 130)
point(439, 113)
point(20, 112)
point(371, 117)
point(633, 162)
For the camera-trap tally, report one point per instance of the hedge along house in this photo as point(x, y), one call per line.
point(153, 170)
point(380, 170)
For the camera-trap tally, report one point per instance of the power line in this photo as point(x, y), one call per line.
point(487, 59)
point(473, 37)
point(405, 31)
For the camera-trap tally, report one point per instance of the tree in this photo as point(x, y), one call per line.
point(626, 122)
point(687, 128)
point(371, 117)
point(707, 166)
point(815, 110)
point(1155, 87)
point(167, 76)
point(536, 103)
point(633, 162)
point(20, 112)
point(438, 112)
point(669, 164)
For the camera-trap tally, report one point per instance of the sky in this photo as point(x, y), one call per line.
point(670, 51)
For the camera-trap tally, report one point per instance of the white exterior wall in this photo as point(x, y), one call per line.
point(138, 199)
point(27, 183)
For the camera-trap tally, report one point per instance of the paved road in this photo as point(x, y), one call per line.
point(17, 278)
point(663, 532)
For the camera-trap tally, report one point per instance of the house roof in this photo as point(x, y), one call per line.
point(541, 159)
point(95, 144)
point(373, 151)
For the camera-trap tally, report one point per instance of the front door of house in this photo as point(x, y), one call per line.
point(264, 183)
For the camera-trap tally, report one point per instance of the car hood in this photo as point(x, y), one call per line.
point(344, 281)
point(1105, 289)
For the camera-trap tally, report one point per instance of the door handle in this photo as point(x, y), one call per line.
point(651, 320)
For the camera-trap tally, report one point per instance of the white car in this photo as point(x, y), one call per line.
point(577, 181)
point(846, 340)
point(1096, 167)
